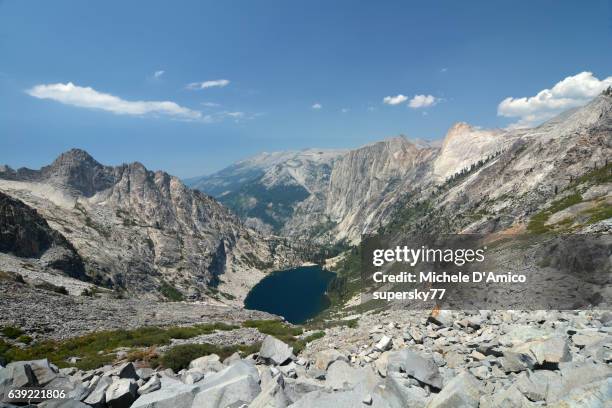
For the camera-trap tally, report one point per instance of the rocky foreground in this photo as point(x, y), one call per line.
point(394, 359)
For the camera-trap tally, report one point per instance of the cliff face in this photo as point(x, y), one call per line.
point(143, 231)
point(24, 233)
point(464, 145)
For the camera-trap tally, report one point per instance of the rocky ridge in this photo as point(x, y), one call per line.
point(145, 232)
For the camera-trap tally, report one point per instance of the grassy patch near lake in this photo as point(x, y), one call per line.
point(95, 349)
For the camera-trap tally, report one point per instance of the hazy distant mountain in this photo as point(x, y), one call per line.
point(145, 231)
point(265, 189)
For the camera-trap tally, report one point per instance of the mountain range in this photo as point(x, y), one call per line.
point(493, 178)
point(138, 231)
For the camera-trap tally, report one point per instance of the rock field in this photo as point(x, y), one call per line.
point(394, 359)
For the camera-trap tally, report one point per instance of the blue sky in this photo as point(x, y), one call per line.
point(241, 77)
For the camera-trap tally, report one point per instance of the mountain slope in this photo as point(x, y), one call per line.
point(547, 166)
point(146, 232)
point(265, 190)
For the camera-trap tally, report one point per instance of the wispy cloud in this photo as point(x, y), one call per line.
point(443, 69)
point(87, 97)
point(211, 104)
point(158, 74)
point(395, 100)
point(216, 83)
point(422, 101)
point(344, 110)
point(317, 106)
point(568, 93)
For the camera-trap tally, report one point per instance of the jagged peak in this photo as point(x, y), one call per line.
point(461, 129)
point(75, 155)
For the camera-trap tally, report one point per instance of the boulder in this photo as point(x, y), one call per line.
point(508, 398)
point(441, 318)
point(127, 370)
point(121, 393)
point(402, 392)
point(235, 391)
point(420, 368)
point(384, 344)
point(273, 396)
point(207, 363)
point(589, 339)
point(153, 384)
point(553, 350)
point(274, 351)
point(145, 373)
point(97, 398)
point(381, 363)
point(341, 375)
point(72, 386)
point(192, 376)
point(513, 362)
point(19, 375)
point(597, 394)
point(324, 358)
point(462, 391)
point(43, 371)
point(172, 394)
point(231, 359)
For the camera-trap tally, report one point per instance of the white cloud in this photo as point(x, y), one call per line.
point(211, 104)
point(317, 106)
point(218, 83)
point(344, 110)
point(395, 100)
point(86, 97)
point(158, 74)
point(569, 93)
point(422, 101)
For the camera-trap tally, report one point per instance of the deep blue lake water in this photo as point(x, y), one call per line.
point(296, 294)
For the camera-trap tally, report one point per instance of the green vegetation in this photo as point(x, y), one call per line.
point(320, 324)
point(276, 328)
point(179, 357)
point(597, 176)
point(348, 278)
point(271, 205)
point(90, 292)
point(52, 288)
point(12, 332)
point(284, 332)
point(96, 349)
point(25, 339)
point(537, 221)
point(599, 213)
point(11, 276)
point(87, 347)
point(170, 292)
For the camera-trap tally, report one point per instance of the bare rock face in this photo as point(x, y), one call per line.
point(362, 184)
point(465, 145)
point(146, 232)
point(24, 233)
